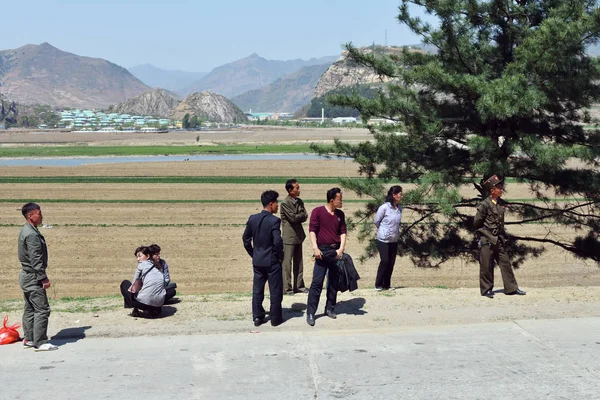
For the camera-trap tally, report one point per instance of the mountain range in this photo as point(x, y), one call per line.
point(287, 94)
point(173, 80)
point(252, 72)
point(43, 74)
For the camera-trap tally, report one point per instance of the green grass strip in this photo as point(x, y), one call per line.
point(138, 201)
point(253, 180)
point(220, 225)
point(228, 201)
point(96, 151)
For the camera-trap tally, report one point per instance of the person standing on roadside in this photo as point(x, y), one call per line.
point(387, 220)
point(33, 255)
point(262, 240)
point(293, 214)
point(327, 230)
point(489, 223)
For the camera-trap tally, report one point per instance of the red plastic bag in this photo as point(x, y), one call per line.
point(9, 334)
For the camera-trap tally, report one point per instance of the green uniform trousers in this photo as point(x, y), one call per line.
point(36, 311)
point(488, 255)
point(293, 278)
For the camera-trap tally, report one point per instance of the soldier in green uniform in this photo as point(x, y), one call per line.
point(33, 255)
point(293, 214)
point(489, 223)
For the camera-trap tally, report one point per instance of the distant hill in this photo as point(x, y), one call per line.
point(287, 94)
point(158, 103)
point(173, 80)
point(249, 73)
point(211, 107)
point(43, 74)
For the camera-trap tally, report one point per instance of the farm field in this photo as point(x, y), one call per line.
point(93, 228)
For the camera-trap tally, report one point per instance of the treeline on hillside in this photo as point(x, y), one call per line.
point(332, 111)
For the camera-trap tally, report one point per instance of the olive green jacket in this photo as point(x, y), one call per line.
point(33, 255)
point(293, 214)
point(489, 220)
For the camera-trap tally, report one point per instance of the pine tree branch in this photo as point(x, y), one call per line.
point(572, 249)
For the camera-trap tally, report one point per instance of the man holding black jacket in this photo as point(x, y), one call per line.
point(327, 229)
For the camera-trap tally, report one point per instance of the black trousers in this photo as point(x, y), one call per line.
point(262, 275)
point(387, 255)
point(170, 294)
point(129, 300)
point(320, 270)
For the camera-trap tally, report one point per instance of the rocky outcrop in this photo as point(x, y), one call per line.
point(8, 111)
point(158, 103)
point(346, 73)
point(43, 74)
point(211, 107)
point(287, 94)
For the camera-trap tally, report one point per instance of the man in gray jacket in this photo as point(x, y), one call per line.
point(33, 255)
point(293, 214)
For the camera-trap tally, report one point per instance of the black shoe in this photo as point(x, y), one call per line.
point(310, 319)
point(259, 321)
point(489, 294)
point(331, 314)
point(517, 292)
point(276, 322)
point(136, 313)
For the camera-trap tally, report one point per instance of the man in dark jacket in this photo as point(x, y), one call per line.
point(33, 255)
point(293, 214)
point(262, 241)
point(489, 222)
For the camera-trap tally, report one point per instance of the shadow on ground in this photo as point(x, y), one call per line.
point(70, 335)
point(353, 306)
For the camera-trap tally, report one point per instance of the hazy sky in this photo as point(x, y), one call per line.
point(200, 35)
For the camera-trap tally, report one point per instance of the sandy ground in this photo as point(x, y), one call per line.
point(91, 244)
point(363, 309)
point(91, 250)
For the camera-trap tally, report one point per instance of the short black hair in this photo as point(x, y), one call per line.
point(144, 250)
point(331, 193)
point(268, 196)
point(289, 184)
point(29, 207)
point(154, 248)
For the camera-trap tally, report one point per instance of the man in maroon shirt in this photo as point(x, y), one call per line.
point(327, 231)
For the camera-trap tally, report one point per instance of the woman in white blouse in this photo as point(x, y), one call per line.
point(387, 220)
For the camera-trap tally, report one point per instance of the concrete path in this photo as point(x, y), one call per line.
point(532, 359)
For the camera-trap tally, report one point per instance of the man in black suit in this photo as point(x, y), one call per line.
point(262, 241)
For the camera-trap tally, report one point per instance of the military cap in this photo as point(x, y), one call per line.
point(491, 182)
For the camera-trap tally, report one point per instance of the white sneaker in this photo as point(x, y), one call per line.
point(28, 344)
point(379, 289)
point(46, 347)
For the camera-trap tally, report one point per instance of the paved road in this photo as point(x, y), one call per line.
point(533, 359)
